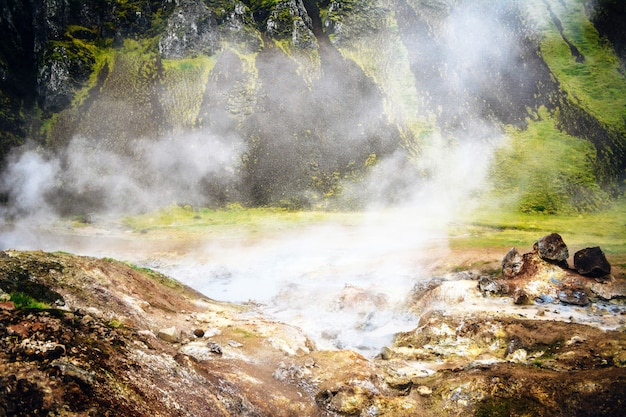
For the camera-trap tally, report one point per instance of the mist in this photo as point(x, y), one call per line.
point(344, 285)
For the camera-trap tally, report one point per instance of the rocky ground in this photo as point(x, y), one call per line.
point(83, 336)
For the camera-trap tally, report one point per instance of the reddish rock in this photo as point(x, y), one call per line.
point(7, 305)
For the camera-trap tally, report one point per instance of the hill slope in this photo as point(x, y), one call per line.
point(303, 103)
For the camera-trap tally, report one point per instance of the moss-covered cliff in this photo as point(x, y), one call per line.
point(319, 92)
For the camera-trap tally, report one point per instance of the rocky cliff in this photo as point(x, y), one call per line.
point(319, 92)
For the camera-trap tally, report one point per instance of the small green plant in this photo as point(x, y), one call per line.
point(24, 301)
point(115, 323)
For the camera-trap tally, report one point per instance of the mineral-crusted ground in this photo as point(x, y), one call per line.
point(109, 339)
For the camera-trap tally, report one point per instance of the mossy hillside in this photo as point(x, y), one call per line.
point(597, 84)
point(542, 169)
point(306, 59)
point(382, 56)
point(184, 82)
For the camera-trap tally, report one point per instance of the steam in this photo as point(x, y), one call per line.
point(344, 285)
point(151, 174)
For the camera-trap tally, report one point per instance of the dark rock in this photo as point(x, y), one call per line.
point(512, 264)
point(592, 262)
point(198, 332)
point(573, 296)
point(551, 248)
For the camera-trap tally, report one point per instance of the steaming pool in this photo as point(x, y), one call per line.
point(346, 287)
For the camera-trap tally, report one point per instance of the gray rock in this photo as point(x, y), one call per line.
point(191, 29)
point(488, 285)
point(512, 264)
point(551, 248)
point(214, 348)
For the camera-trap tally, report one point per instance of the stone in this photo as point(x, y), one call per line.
point(170, 334)
point(7, 305)
point(198, 333)
point(214, 348)
point(191, 29)
point(520, 297)
point(574, 297)
point(591, 262)
point(488, 285)
point(512, 264)
point(424, 391)
point(551, 248)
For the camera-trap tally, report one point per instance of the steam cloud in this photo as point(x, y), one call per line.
point(154, 173)
point(344, 285)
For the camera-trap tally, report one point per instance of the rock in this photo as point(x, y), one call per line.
point(520, 297)
point(518, 356)
point(512, 263)
point(214, 348)
point(198, 333)
point(573, 296)
point(609, 290)
point(71, 370)
point(424, 391)
point(551, 248)
point(544, 299)
point(7, 305)
point(38, 349)
point(488, 285)
point(191, 29)
point(170, 334)
point(592, 262)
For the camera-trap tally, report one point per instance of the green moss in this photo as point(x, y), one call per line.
point(185, 81)
point(24, 301)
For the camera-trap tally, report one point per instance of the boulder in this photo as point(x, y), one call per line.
point(551, 248)
point(512, 264)
point(591, 262)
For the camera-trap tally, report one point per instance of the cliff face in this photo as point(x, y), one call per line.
point(318, 92)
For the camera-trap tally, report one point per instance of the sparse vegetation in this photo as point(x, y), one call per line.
point(26, 302)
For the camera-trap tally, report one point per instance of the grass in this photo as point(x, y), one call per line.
point(504, 229)
point(233, 221)
point(486, 227)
